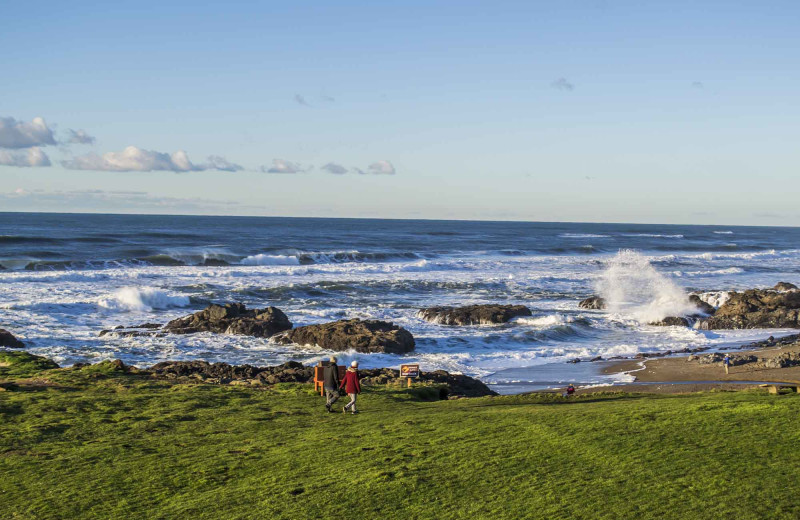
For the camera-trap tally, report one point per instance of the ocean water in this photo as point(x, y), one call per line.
point(63, 278)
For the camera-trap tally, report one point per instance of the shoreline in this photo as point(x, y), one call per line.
point(686, 373)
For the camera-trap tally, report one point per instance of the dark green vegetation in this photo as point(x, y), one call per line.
point(99, 443)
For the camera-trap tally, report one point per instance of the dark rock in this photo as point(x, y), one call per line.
point(232, 318)
point(702, 306)
point(672, 321)
point(473, 314)
point(784, 286)
point(8, 340)
point(294, 372)
point(593, 302)
point(574, 360)
point(597, 358)
point(291, 372)
point(366, 336)
point(756, 308)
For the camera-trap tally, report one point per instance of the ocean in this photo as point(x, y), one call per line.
point(66, 277)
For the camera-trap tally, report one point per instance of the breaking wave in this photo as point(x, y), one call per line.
point(142, 299)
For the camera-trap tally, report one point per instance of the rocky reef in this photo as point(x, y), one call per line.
point(232, 318)
point(778, 307)
point(454, 385)
point(473, 314)
point(366, 336)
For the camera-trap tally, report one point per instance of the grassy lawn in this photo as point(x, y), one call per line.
point(93, 443)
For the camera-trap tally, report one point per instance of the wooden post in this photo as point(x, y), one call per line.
point(409, 381)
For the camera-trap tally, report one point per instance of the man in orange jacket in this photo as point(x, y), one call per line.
point(352, 386)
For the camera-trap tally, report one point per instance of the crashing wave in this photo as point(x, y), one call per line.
point(142, 299)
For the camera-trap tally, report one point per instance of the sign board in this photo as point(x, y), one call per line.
point(409, 370)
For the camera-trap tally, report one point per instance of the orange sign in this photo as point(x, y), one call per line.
point(409, 370)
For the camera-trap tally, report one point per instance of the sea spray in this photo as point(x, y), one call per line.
point(142, 299)
point(631, 286)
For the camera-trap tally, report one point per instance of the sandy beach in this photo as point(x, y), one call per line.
point(687, 373)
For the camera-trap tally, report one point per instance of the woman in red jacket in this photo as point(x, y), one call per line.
point(352, 386)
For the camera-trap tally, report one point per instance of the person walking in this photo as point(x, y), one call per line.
point(331, 383)
point(727, 362)
point(352, 386)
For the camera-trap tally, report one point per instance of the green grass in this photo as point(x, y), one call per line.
point(95, 443)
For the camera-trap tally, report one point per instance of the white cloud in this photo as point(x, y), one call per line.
point(23, 134)
point(282, 166)
point(79, 137)
point(215, 162)
point(562, 84)
point(381, 168)
point(31, 157)
point(133, 159)
point(338, 169)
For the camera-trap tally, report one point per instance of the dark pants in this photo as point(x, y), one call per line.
point(331, 395)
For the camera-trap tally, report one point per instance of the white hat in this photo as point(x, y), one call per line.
point(354, 364)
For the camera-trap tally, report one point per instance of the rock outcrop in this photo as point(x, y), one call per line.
point(367, 336)
point(232, 318)
point(473, 314)
point(756, 309)
point(8, 340)
point(454, 385)
point(593, 303)
point(703, 307)
point(458, 385)
point(672, 321)
point(784, 286)
point(291, 372)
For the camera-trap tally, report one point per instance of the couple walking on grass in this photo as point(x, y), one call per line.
point(350, 384)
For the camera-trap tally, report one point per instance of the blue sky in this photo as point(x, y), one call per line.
point(674, 112)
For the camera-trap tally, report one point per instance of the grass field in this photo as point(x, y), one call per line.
point(93, 443)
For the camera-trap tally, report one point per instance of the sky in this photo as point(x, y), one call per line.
point(598, 111)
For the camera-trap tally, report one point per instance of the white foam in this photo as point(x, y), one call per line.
point(551, 320)
point(142, 299)
point(652, 235)
point(723, 232)
point(632, 286)
point(582, 235)
point(270, 260)
point(715, 299)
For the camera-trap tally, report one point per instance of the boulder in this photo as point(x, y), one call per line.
point(232, 318)
point(368, 336)
point(473, 314)
point(756, 309)
point(702, 306)
point(672, 321)
point(593, 302)
point(8, 340)
point(784, 286)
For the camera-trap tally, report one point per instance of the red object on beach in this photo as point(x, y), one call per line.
point(350, 382)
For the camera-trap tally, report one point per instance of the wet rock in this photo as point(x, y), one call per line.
point(593, 302)
point(784, 286)
point(368, 336)
point(702, 306)
point(487, 314)
point(672, 321)
point(232, 318)
point(8, 340)
point(756, 308)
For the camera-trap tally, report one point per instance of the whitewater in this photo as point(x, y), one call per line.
point(65, 278)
